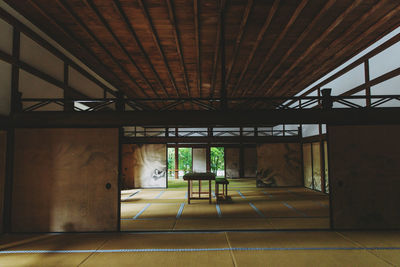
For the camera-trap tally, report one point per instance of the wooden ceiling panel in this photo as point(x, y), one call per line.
point(172, 48)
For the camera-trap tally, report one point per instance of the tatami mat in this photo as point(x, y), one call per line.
point(246, 208)
point(271, 248)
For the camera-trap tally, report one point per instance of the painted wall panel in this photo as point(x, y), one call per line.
point(280, 163)
point(326, 167)
point(6, 40)
point(307, 166)
point(232, 159)
point(5, 87)
point(3, 147)
point(84, 85)
point(40, 58)
point(364, 176)
point(250, 161)
point(60, 178)
point(150, 165)
point(316, 152)
point(199, 160)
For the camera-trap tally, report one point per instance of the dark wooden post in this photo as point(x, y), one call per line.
point(368, 87)
point(68, 103)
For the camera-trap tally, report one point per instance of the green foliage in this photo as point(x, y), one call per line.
point(217, 159)
point(185, 159)
point(171, 162)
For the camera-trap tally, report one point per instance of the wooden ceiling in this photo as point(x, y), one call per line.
point(172, 48)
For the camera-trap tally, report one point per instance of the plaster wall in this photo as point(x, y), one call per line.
point(232, 158)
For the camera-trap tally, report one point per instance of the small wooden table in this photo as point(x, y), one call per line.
point(203, 176)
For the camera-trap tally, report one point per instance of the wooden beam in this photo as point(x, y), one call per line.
point(258, 41)
point(16, 105)
point(224, 103)
point(158, 44)
point(207, 118)
point(327, 65)
point(71, 36)
point(121, 46)
point(216, 52)
point(311, 48)
point(124, 17)
point(75, 17)
point(178, 44)
point(359, 61)
point(275, 45)
point(239, 39)
point(197, 43)
point(213, 139)
point(309, 28)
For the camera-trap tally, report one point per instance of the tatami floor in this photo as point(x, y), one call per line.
point(263, 248)
point(248, 208)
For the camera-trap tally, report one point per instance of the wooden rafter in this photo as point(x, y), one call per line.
point(216, 52)
point(239, 39)
point(66, 32)
point(328, 63)
point(322, 37)
point(71, 13)
point(197, 43)
point(124, 17)
point(121, 45)
point(260, 37)
point(276, 43)
point(309, 28)
point(158, 44)
point(178, 44)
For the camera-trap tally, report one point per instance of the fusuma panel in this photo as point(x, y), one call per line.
point(279, 164)
point(250, 161)
point(307, 166)
point(65, 180)
point(150, 165)
point(232, 160)
point(364, 176)
point(316, 152)
point(3, 148)
point(199, 160)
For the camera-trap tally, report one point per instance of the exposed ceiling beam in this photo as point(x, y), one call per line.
point(239, 39)
point(216, 52)
point(172, 105)
point(158, 44)
point(197, 43)
point(63, 4)
point(93, 7)
point(276, 44)
point(124, 17)
point(311, 48)
point(178, 44)
point(327, 65)
point(258, 41)
point(352, 116)
point(71, 36)
point(309, 28)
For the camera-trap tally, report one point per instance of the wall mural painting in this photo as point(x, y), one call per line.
point(149, 165)
point(279, 165)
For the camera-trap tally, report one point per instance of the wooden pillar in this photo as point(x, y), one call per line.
point(322, 159)
point(176, 163)
point(68, 103)
point(208, 158)
point(16, 105)
point(367, 79)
